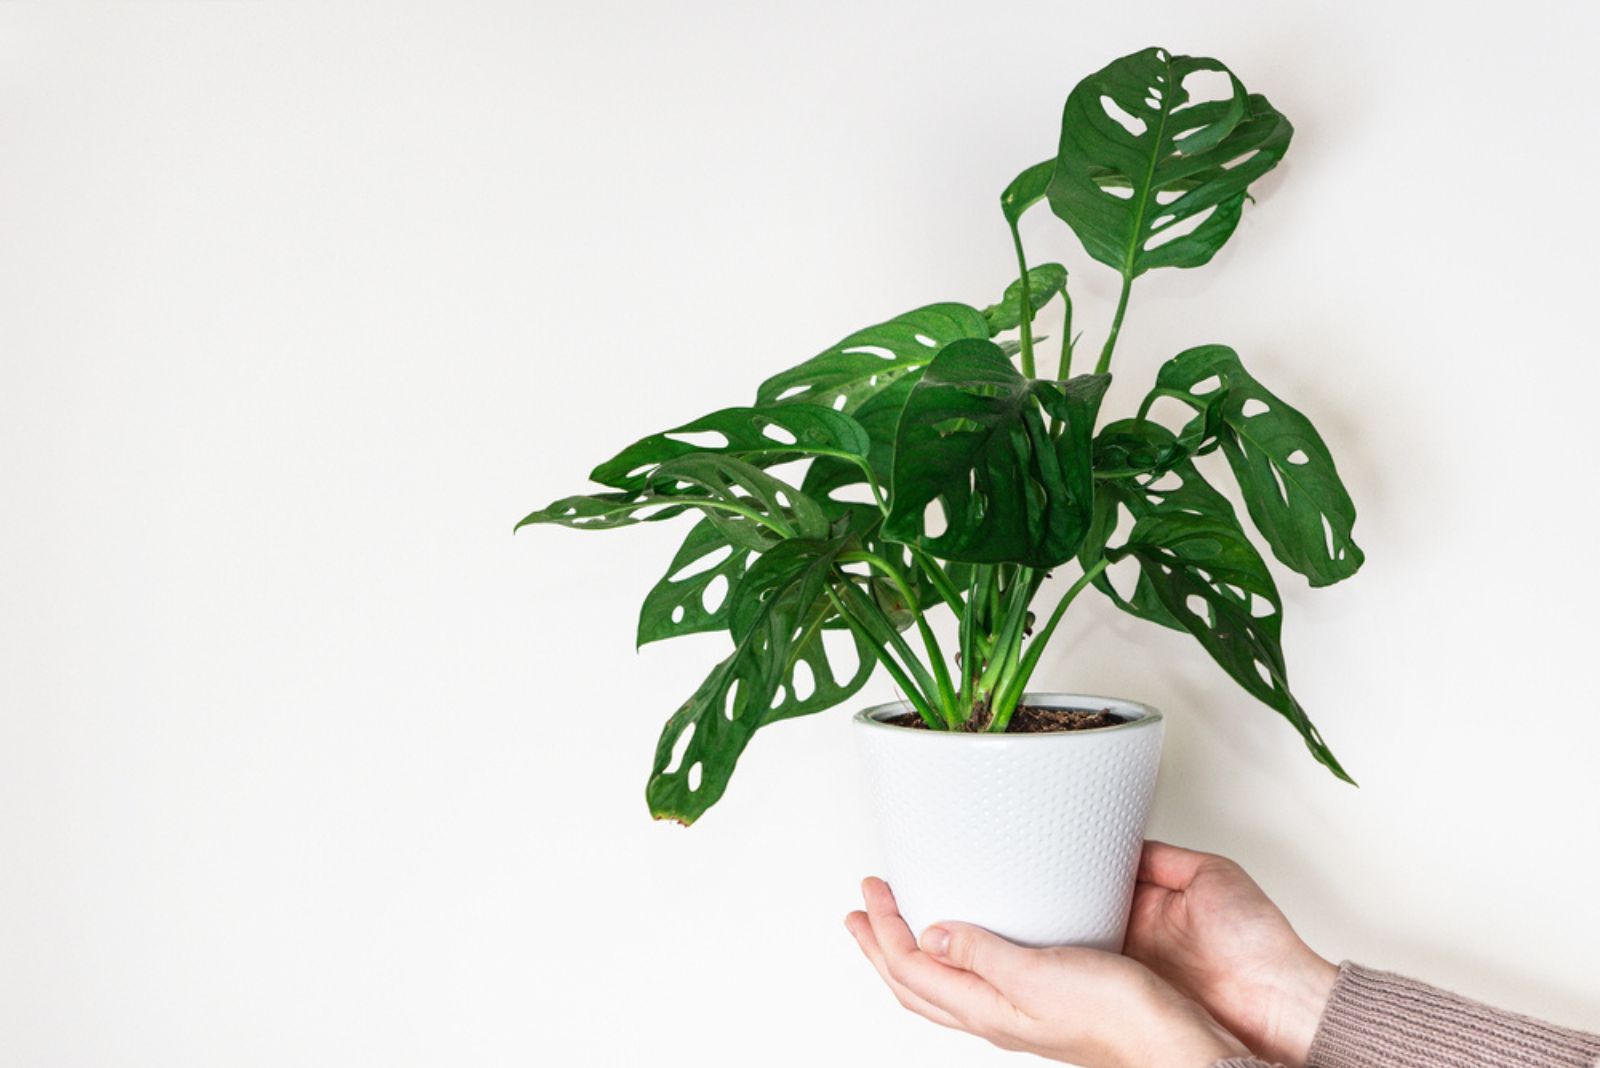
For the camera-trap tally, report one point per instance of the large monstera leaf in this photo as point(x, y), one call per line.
point(1148, 177)
point(775, 619)
point(760, 435)
point(749, 507)
point(1211, 580)
point(1285, 472)
point(973, 438)
point(849, 373)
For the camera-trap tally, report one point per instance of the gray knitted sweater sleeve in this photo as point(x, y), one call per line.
point(1380, 1020)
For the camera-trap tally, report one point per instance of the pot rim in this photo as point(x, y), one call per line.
point(1143, 716)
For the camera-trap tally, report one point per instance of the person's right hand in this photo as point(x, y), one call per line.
point(1204, 926)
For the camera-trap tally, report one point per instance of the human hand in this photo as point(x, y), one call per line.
point(1203, 925)
point(1084, 1006)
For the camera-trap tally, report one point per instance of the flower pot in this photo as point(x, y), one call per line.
point(1033, 836)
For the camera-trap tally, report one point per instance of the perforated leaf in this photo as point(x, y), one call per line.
point(1209, 578)
point(1154, 477)
point(847, 374)
point(1148, 176)
point(771, 621)
point(677, 604)
point(1044, 282)
point(760, 435)
point(742, 501)
point(973, 438)
point(1286, 474)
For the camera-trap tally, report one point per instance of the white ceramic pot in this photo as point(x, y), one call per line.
point(1033, 836)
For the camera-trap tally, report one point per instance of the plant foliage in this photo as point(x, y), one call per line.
point(939, 469)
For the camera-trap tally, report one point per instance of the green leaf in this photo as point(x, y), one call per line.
point(1164, 184)
point(1285, 472)
point(750, 507)
point(1157, 479)
point(676, 604)
point(1026, 190)
point(772, 619)
point(869, 361)
point(973, 438)
point(1209, 577)
point(761, 435)
point(1044, 282)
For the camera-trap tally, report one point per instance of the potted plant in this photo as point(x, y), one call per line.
point(926, 464)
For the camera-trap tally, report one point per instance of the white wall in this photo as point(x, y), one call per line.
point(304, 759)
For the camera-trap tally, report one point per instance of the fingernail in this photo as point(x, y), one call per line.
point(935, 940)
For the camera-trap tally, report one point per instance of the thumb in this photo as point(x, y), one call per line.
point(972, 949)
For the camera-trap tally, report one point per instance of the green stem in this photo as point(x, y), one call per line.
point(941, 673)
point(1027, 303)
point(969, 644)
point(1116, 325)
point(940, 580)
point(1064, 369)
point(1018, 595)
point(1012, 693)
point(907, 687)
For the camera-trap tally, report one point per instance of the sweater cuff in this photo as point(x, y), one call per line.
point(1380, 1020)
point(1244, 1062)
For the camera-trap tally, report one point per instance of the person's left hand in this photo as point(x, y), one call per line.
point(1085, 1006)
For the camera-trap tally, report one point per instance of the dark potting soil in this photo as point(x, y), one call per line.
point(1029, 719)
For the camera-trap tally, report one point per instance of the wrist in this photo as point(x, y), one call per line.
point(1179, 1034)
point(1303, 998)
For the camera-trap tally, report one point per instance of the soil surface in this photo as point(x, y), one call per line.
point(1029, 719)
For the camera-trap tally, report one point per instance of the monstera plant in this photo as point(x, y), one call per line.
point(928, 464)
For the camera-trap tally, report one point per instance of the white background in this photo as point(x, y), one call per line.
point(304, 759)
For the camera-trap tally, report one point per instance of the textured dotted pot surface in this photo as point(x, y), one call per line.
point(1033, 836)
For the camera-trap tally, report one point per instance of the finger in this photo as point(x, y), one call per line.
point(1169, 865)
point(861, 928)
point(1003, 964)
point(971, 1000)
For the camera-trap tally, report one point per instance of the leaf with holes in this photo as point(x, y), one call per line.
point(762, 435)
point(1149, 177)
point(973, 438)
point(1285, 472)
point(773, 619)
point(678, 604)
point(1044, 282)
point(1145, 470)
point(871, 360)
point(750, 507)
point(1211, 579)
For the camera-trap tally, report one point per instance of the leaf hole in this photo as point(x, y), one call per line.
point(925, 341)
point(1327, 536)
point(1114, 111)
point(779, 697)
point(1266, 674)
point(712, 596)
point(1239, 161)
point(730, 707)
point(801, 681)
point(1182, 228)
point(677, 614)
point(1260, 607)
point(934, 520)
point(696, 774)
point(1167, 196)
point(679, 748)
point(781, 434)
point(1198, 606)
point(1254, 407)
point(792, 392)
point(700, 439)
point(1152, 103)
point(1298, 457)
point(1207, 385)
point(871, 350)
